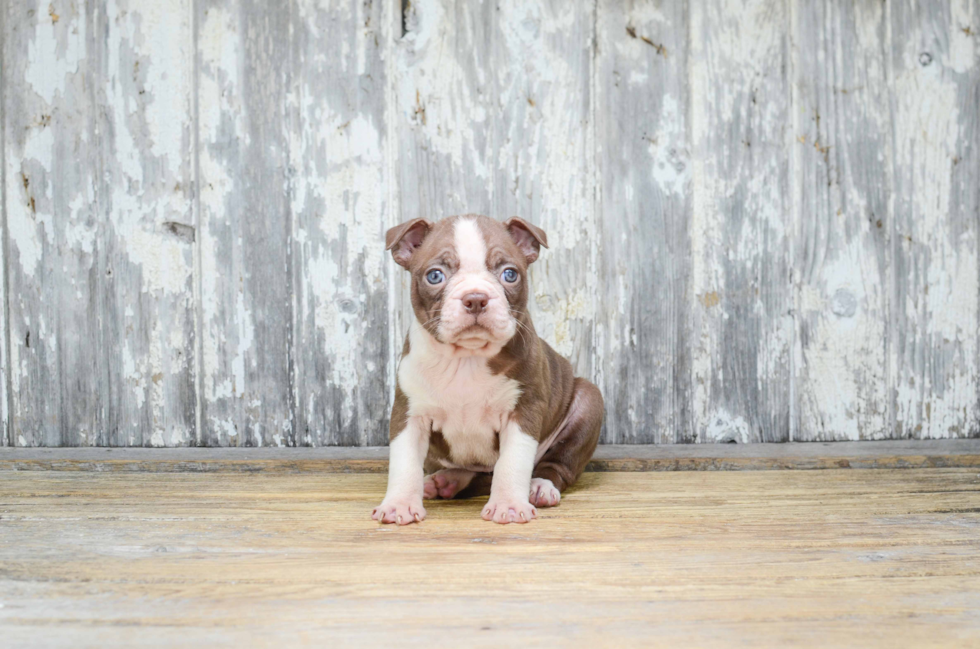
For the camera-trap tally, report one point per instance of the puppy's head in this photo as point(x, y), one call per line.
point(469, 275)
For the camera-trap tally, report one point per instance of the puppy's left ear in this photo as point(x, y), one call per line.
point(529, 238)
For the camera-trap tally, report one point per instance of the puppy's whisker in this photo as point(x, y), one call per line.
point(433, 319)
point(522, 329)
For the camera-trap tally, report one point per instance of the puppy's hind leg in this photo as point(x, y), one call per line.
point(572, 449)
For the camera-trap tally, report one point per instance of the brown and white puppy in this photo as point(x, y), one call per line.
point(482, 404)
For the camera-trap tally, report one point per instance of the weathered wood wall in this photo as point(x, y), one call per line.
point(764, 215)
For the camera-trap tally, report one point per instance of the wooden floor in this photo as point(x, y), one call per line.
point(886, 558)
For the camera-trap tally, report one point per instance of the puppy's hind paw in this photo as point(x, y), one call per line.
point(544, 493)
point(446, 483)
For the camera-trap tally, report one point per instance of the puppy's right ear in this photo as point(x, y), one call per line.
point(402, 240)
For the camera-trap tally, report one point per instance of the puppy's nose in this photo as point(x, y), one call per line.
point(475, 302)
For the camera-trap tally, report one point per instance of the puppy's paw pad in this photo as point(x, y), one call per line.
point(399, 511)
point(506, 510)
point(544, 493)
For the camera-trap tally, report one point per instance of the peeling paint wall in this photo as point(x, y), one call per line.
point(764, 215)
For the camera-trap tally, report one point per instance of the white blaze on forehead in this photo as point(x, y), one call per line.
point(470, 246)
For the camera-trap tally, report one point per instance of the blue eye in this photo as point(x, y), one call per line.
point(434, 276)
point(509, 275)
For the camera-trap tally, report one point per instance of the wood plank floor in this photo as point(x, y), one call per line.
point(695, 559)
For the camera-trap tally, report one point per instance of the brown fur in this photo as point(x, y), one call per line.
point(399, 409)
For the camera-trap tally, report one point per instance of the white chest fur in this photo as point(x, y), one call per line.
point(459, 397)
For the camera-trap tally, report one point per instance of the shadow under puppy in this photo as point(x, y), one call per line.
point(482, 405)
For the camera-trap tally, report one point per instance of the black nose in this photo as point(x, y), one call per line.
point(475, 302)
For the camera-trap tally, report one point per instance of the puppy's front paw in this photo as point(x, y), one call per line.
point(509, 510)
point(401, 511)
point(544, 493)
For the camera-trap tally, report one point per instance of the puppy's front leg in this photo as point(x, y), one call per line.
point(512, 478)
point(406, 454)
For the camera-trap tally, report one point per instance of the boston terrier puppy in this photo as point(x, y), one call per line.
point(482, 404)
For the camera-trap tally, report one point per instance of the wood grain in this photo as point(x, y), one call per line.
point(935, 71)
point(339, 193)
point(644, 212)
point(840, 558)
point(246, 283)
point(147, 309)
point(841, 261)
point(47, 126)
point(98, 176)
point(5, 427)
point(742, 322)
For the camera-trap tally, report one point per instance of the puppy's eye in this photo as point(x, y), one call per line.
point(434, 276)
point(509, 275)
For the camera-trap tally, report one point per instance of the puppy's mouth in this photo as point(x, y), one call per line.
point(475, 336)
point(475, 333)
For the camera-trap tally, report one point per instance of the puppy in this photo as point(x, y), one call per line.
point(482, 405)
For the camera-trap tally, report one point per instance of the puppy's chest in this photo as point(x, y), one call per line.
point(464, 401)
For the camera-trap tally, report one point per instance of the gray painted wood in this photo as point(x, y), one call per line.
point(97, 193)
point(742, 325)
point(841, 139)
point(4, 316)
point(51, 157)
point(643, 217)
point(339, 197)
point(246, 281)
point(935, 81)
point(196, 253)
point(294, 279)
point(146, 131)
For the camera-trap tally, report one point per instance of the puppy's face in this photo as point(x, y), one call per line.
point(469, 276)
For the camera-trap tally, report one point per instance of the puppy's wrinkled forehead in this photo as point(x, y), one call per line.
point(468, 243)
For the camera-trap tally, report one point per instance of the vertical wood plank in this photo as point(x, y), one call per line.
point(55, 258)
point(445, 108)
point(245, 254)
point(643, 216)
point(935, 75)
point(5, 438)
point(842, 132)
point(147, 149)
point(494, 114)
point(339, 188)
point(98, 177)
point(742, 322)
